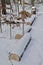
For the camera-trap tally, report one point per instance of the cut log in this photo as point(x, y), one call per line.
point(20, 48)
point(18, 36)
point(13, 57)
point(25, 14)
point(31, 20)
point(28, 14)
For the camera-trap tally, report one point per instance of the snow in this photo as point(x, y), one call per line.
point(34, 53)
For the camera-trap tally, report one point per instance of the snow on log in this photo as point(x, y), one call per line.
point(20, 48)
point(31, 20)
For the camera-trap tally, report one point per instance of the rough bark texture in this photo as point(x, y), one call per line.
point(32, 2)
point(3, 6)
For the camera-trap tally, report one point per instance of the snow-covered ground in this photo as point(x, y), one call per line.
point(34, 53)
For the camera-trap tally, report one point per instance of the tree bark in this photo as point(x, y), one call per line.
point(32, 2)
point(3, 6)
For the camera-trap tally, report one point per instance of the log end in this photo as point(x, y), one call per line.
point(14, 57)
point(18, 36)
